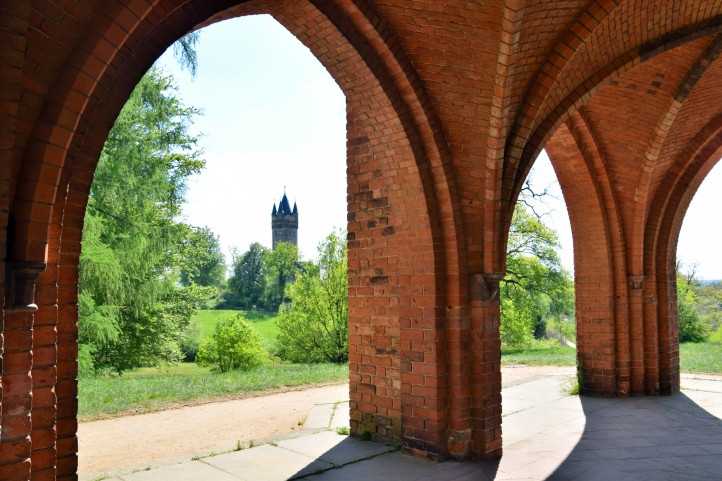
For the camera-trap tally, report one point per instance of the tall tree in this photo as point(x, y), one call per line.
point(200, 258)
point(536, 287)
point(281, 266)
point(314, 324)
point(128, 282)
point(247, 285)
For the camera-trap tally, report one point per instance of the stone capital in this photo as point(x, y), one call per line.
point(22, 278)
point(484, 287)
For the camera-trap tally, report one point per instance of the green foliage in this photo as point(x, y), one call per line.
point(132, 311)
point(247, 285)
point(86, 365)
point(260, 277)
point(201, 261)
point(314, 325)
point(691, 326)
point(281, 265)
point(716, 337)
point(536, 289)
point(185, 52)
point(233, 345)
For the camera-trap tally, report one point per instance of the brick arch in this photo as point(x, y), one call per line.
point(400, 179)
point(603, 349)
point(663, 227)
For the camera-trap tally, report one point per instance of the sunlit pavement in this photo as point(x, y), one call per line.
point(548, 434)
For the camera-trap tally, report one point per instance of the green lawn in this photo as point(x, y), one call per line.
point(540, 354)
point(203, 322)
point(152, 389)
point(701, 357)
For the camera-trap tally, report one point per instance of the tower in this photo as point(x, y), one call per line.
point(284, 222)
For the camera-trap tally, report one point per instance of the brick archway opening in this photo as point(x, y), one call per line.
point(671, 205)
point(396, 252)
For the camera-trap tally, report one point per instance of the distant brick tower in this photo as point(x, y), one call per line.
point(284, 223)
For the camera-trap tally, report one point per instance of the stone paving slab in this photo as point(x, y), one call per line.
point(319, 417)
point(266, 463)
point(341, 416)
point(190, 471)
point(333, 448)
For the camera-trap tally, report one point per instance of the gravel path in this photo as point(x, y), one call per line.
point(165, 437)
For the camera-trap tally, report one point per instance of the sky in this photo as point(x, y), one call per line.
point(273, 118)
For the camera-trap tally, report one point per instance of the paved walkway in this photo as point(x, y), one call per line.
point(547, 435)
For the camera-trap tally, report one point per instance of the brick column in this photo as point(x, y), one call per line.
point(486, 365)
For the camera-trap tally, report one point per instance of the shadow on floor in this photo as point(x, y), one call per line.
point(368, 461)
point(639, 439)
point(652, 438)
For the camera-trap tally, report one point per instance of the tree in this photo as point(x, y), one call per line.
point(129, 293)
point(692, 327)
point(536, 288)
point(313, 326)
point(184, 50)
point(200, 258)
point(247, 285)
point(281, 265)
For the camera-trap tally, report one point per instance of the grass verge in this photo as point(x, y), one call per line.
point(701, 357)
point(153, 389)
point(541, 353)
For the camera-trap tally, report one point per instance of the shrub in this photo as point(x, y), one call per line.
point(691, 326)
point(233, 345)
point(189, 344)
point(313, 327)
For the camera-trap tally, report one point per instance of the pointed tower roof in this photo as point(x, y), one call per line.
point(295, 209)
point(275, 212)
point(284, 208)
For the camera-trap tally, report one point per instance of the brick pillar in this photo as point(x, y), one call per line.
point(15, 443)
point(486, 365)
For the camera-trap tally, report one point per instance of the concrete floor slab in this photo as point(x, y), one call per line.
point(190, 471)
point(334, 448)
point(266, 463)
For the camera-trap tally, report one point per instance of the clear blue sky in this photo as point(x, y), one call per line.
point(274, 117)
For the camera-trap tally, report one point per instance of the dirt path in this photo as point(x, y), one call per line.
point(165, 437)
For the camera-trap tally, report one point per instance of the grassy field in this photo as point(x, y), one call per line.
point(203, 322)
point(152, 389)
point(702, 357)
point(541, 354)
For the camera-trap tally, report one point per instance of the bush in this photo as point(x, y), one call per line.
point(313, 327)
point(189, 344)
point(233, 345)
point(691, 326)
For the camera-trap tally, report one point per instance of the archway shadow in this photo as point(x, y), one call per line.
point(652, 438)
point(669, 438)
